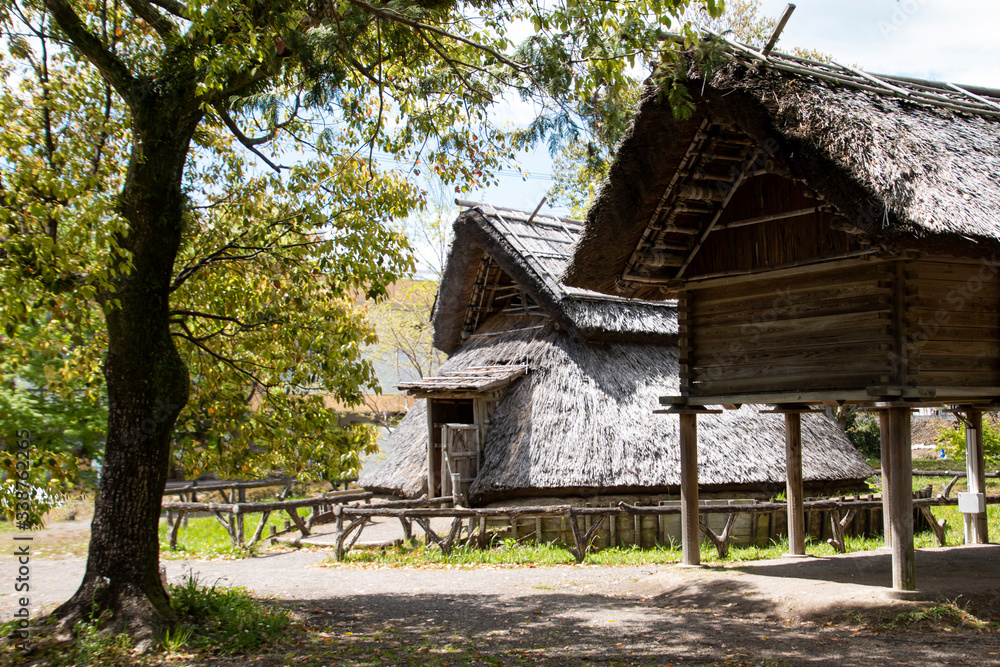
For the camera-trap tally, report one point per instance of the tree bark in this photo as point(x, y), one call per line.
point(147, 382)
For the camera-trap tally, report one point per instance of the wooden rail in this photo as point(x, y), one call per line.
point(177, 487)
point(236, 511)
point(336, 507)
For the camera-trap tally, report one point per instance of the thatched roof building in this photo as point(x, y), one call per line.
point(580, 421)
point(830, 237)
point(886, 161)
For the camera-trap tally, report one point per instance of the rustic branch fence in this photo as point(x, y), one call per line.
point(350, 518)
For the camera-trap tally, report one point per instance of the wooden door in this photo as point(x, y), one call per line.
point(461, 455)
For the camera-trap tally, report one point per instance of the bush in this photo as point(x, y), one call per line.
point(862, 430)
point(225, 620)
point(954, 441)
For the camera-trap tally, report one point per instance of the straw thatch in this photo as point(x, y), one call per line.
point(896, 158)
point(532, 254)
point(581, 421)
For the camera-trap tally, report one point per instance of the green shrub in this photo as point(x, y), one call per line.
point(224, 620)
point(954, 441)
point(862, 430)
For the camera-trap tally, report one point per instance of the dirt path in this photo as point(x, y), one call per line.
point(829, 611)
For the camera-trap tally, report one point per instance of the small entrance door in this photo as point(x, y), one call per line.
point(461, 457)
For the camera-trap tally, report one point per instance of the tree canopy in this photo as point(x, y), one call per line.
point(188, 196)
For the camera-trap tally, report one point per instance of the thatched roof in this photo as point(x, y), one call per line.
point(581, 422)
point(911, 164)
point(502, 258)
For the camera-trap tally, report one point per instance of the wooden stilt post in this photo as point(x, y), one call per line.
point(883, 431)
point(793, 484)
point(690, 537)
point(976, 531)
point(904, 576)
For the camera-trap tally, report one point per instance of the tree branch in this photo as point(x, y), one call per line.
point(110, 66)
point(242, 138)
point(224, 318)
point(148, 13)
point(174, 7)
point(226, 360)
point(395, 17)
point(256, 141)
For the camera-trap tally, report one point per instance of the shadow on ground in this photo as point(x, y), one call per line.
point(558, 629)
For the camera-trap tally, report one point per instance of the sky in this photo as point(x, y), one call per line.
point(943, 40)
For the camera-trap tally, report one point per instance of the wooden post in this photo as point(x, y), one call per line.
point(690, 538)
point(976, 531)
point(883, 434)
point(456, 490)
point(431, 481)
point(904, 576)
point(446, 435)
point(793, 484)
point(241, 496)
point(338, 533)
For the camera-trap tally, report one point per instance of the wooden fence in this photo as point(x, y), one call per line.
point(350, 519)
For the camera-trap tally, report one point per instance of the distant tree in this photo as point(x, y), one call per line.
point(404, 329)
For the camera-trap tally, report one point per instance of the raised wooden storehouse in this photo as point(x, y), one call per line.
point(830, 236)
point(548, 390)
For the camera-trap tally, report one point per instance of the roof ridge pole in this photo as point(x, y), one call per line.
point(978, 98)
point(537, 209)
point(773, 39)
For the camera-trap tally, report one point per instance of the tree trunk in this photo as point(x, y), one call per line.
point(147, 384)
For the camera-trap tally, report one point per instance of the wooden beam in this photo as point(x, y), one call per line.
point(804, 397)
point(787, 269)
point(793, 484)
point(883, 434)
point(690, 535)
point(722, 207)
point(904, 575)
point(768, 218)
point(976, 527)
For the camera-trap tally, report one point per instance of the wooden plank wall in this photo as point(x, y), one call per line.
point(819, 329)
point(953, 324)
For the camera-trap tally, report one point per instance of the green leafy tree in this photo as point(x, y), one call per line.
point(128, 184)
point(583, 162)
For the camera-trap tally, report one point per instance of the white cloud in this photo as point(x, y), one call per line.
point(948, 40)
